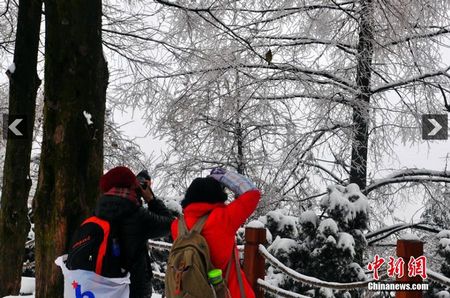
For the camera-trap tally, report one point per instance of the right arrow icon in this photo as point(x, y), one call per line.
point(435, 127)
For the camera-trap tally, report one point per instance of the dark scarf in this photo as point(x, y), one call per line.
point(125, 193)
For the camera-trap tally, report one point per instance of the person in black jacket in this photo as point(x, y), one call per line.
point(122, 206)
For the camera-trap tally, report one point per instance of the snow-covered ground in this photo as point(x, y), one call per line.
point(28, 286)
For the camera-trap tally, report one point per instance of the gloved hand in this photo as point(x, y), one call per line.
point(235, 182)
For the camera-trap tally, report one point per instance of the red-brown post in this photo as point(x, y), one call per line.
point(254, 263)
point(407, 249)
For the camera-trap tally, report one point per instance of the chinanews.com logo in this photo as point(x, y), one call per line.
point(416, 269)
point(78, 294)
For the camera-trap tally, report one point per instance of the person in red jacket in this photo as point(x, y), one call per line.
point(207, 195)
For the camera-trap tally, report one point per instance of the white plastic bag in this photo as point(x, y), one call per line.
point(88, 284)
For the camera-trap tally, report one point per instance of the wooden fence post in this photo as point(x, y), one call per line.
point(407, 249)
point(254, 263)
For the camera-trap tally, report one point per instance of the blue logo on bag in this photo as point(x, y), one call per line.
point(79, 294)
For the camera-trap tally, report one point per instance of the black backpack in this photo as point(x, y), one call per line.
point(95, 247)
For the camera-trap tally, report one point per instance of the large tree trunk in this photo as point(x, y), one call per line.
point(360, 142)
point(361, 116)
point(76, 78)
point(24, 83)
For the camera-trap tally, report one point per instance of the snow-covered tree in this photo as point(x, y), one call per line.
point(436, 289)
point(349, 80)
point(437, 211)
point(361, 65)
point(8, 22)
point(329, 246)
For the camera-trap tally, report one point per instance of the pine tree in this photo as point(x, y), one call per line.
point(329, 246)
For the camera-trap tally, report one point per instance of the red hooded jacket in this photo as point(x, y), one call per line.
point(220, 230)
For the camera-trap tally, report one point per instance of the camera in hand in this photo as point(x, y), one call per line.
point(142, 177)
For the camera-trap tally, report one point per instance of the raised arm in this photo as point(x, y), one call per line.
point(247, 195)
point(156, 219)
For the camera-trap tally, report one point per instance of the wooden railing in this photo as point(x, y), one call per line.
point(256, 255)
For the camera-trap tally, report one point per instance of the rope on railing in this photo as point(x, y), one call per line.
point(434, 276)
point(28, 265)
point(267, 287)
point(313, 281)
point(29, 243)
point(160, 245)
point(159, 275)
point(438, 277)
point(168, 246)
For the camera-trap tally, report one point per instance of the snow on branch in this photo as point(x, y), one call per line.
point(387, 231)
point(383, 230)
point(341, 82)
point(439, 278)
point(179, 6)
point(441, 31)
point(159, 275)
point(267, 287)
point(330, 173)
point(420, 172)
point(146, 38)
point(394, 85)
point(337, 6)
point(312, 281)
point(348, 85)
point(410, 175)
point(341, 99)
point(298, 41)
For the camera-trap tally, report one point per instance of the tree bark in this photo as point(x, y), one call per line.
point(360, 142)
point(23, 85)
point(240, 148)
point(76, 77)
point(239, 131)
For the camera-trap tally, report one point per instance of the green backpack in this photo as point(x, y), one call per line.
point(189, 263)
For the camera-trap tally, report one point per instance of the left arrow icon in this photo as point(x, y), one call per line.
point(13, 127)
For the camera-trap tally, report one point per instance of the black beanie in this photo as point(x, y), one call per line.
point(207, 190)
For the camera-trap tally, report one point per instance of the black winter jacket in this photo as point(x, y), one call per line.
point(135, 226)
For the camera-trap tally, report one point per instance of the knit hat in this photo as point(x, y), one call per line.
point(117, 177)
point(207, 190)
